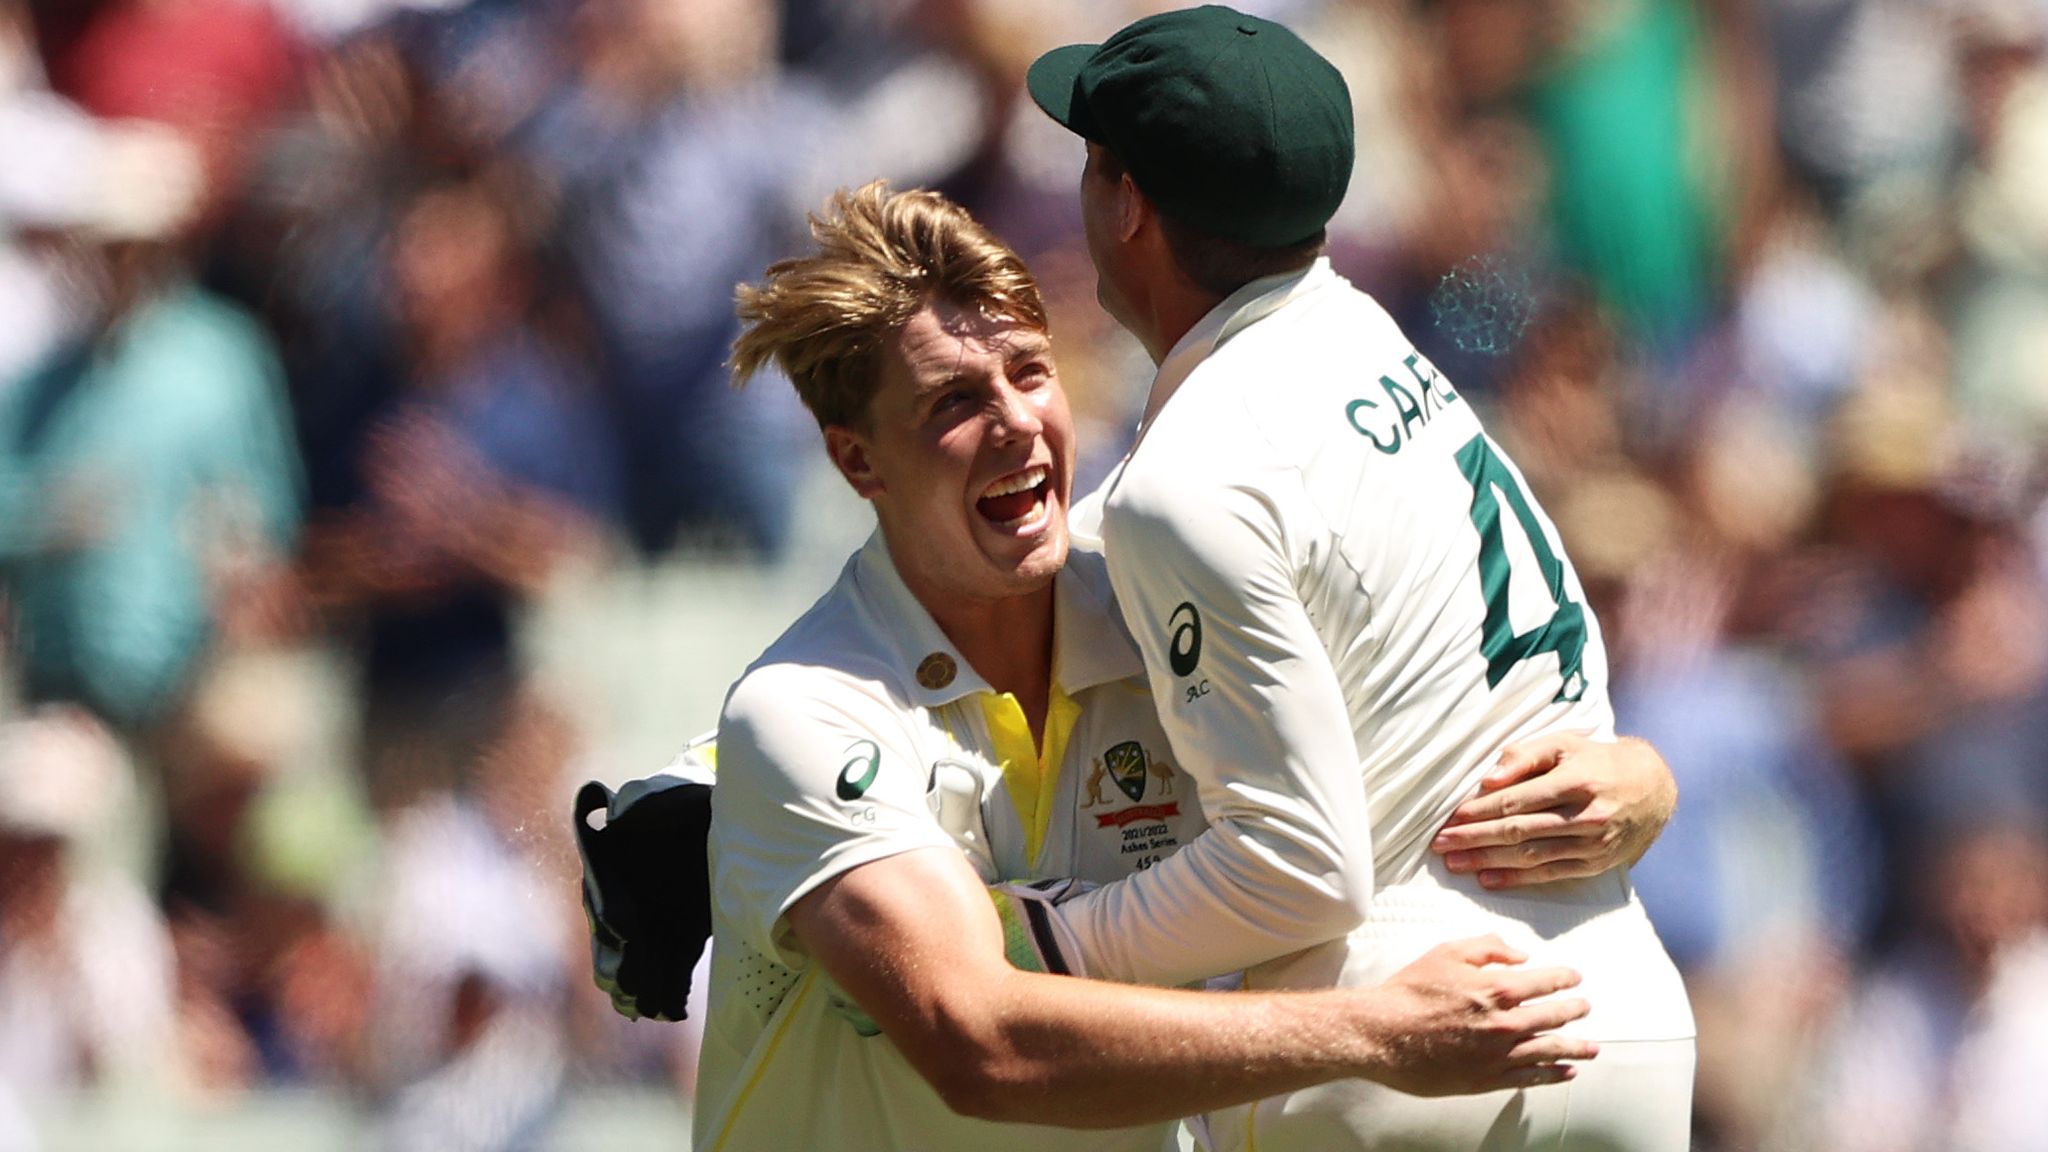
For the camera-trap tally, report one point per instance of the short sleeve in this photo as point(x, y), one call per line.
point(817, 775)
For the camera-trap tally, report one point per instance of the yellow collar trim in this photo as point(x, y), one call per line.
point(1032, 775)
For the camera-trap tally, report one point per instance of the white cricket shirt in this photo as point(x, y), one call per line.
point(842, 745)
point(1349, 604)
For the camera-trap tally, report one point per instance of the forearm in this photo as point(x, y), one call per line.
point(1096, 1055)
point(1235, 897)
point(914, 940)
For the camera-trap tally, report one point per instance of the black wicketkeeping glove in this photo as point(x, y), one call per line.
point(646, 890)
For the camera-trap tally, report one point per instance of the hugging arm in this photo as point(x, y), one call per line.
point(915, 941)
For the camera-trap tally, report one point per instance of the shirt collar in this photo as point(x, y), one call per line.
point(1238, 311)
point(1090, 643)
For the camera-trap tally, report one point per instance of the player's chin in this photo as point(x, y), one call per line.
point(1029, 560)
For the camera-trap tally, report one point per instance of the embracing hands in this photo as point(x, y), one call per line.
point(1461, 1022)
point(1560, 807)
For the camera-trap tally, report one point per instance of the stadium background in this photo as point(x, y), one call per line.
point(369, 476)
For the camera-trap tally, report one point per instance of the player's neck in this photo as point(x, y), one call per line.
point(1009, 643)
point(1170, 310)
point(1173, 316)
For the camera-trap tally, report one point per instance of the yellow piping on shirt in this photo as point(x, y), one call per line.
point(788, 1013)
point(1032, 775)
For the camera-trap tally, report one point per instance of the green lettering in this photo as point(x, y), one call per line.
point(1351, 414)
point(1404, 403)
point(1427, 394)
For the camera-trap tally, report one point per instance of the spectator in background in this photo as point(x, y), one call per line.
point(155, 451)
point(257, 846)
point(1920, 613)
point(1626, 105)
point(685, 160)
point(1945, 1044)
point(471, 951)
point(2001, 292)
point(86, 972)
point(143, 478)
point(1790, 410)
point(215, 70)
point(493, 466)
point(674, 149)
point(66, 172)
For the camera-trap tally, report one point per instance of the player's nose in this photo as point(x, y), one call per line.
point(1016, 414)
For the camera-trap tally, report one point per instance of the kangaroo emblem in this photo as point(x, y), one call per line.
point(1095, 780)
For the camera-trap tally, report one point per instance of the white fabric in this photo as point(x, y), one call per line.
point(783, 1066)
point(1637, 1097)
point(1306, 498)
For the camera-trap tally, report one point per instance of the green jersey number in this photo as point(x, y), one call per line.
point(1565, 632)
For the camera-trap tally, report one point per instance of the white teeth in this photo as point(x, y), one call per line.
point(1029, 478)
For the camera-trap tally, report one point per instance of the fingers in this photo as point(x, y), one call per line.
point(1481, 950)
point(1568, 845)
point(1537, 1075)
point(1533, 1021)
point(1551, 1050)
point(1552, 790)
point(1545, 1060)
point(1523, 760)
point(1500, 879)
point(1490, 833)
point(1521, 985)
point(1526, 758)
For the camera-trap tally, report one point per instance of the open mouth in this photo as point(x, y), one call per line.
point(1018, 499)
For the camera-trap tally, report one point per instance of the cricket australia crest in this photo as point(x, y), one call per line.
point(1129, 766)
point(1126, 764)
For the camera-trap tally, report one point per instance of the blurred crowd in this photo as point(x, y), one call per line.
point(343, 341)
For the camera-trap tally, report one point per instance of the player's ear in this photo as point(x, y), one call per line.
point(1134, 209)
point(849, 450)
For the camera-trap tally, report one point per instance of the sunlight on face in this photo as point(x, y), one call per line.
point(971, 455)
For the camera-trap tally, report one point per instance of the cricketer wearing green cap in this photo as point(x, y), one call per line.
point(1348, 604)
point(1232, 124)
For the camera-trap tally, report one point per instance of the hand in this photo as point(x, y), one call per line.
point(646, 891)
point(1560, 807)
point(1460, 1023)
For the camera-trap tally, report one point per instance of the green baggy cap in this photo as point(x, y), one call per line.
point(1229, 123)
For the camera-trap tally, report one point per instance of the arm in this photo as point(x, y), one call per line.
point(1256, 717)
point(1560, 807)
point(914, 940)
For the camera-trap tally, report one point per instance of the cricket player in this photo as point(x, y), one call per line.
point(965, 706)
point(1347, 601)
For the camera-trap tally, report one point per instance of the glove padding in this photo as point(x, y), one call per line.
point(646, 890)
point(1033, 938)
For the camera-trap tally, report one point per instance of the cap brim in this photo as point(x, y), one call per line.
point(1051, 82)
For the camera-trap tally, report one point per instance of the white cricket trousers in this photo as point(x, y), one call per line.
point(1636, 1096)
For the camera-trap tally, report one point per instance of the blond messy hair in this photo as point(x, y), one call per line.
point(825, 318)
